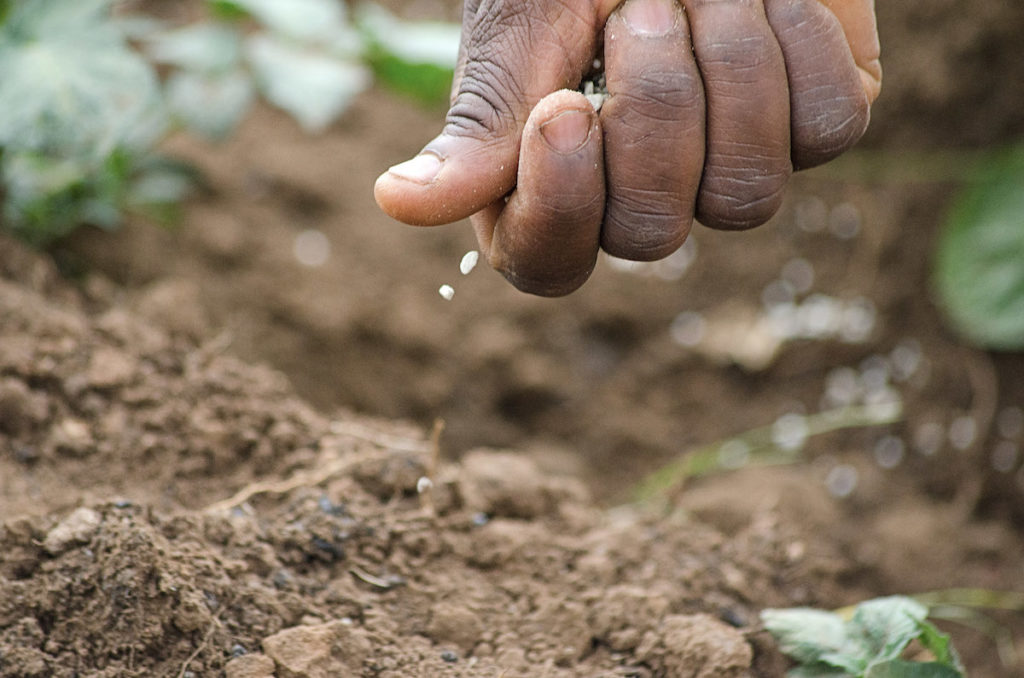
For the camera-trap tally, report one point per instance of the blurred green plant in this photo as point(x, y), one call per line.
point(80, 112)
point(868, 641)
point(83, 107)
point(777, 444)
point(979, 264)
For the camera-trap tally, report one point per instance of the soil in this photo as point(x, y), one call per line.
point(211, 453)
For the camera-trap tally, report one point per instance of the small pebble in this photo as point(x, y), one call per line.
point(449, 656)
point(447, 292)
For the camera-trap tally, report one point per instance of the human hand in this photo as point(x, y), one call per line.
point(710, 109)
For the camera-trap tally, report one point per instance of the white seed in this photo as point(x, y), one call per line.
point(446, 291)
point(1005, 455)
point(889, 452)
point(311, 248)
point(688, 329)
point(841, 481)
point(469, 261)
point(424, 484)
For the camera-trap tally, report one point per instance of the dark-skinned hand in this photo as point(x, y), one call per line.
point(712, 105)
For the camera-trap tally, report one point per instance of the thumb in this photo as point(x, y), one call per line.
point(514, 52)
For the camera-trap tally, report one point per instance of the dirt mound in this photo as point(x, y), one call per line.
point(224, 526)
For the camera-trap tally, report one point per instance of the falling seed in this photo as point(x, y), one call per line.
point(688, 329)
point(1005, 455)
point(469, 260)
point(446, 291)
point(311, 248)
point(928, 438)
point(889, 452)
point(1010, 422)
point(962, 432)
point(841, 481)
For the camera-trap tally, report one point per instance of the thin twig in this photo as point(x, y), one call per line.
point(214, 623)
point(310, 478)
point(365, 433)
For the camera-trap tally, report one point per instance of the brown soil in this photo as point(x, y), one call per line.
point(170, 507)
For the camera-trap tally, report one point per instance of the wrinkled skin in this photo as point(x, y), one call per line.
point(712, 105)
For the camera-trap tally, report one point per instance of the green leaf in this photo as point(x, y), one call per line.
point(979, 266)
point(887, 625)
point(898, 668)
point(817, 670)
point(71, 86)
point(211, 105)
point(302, 20)
point(938, 643)
point(201, 48)
point(228, 10)
point(414, 58)
point(314, 88)
point(806, 634)
point(413, 42)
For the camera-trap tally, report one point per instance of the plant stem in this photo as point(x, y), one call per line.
point(760, 447)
